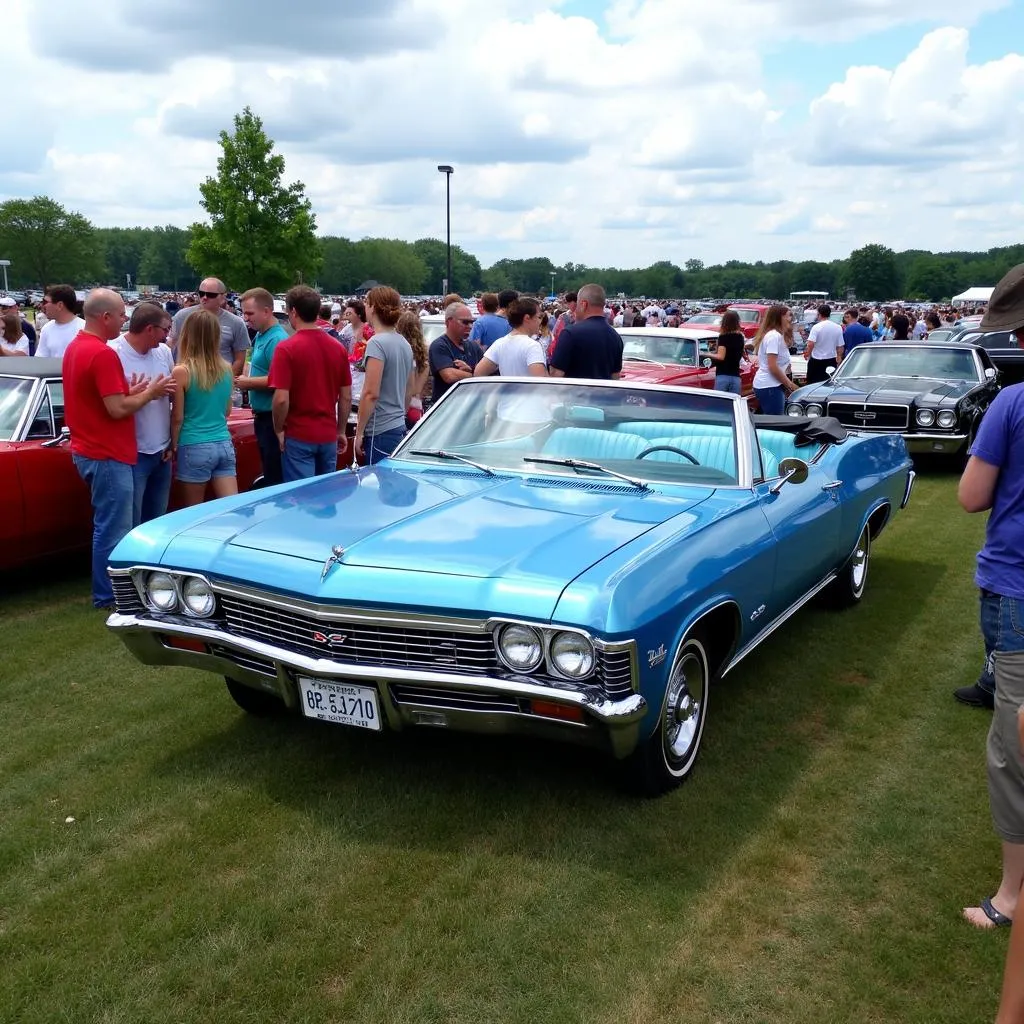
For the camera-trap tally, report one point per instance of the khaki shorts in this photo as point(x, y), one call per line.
point(1003, 750)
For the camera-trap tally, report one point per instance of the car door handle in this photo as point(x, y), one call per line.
point(833, 486)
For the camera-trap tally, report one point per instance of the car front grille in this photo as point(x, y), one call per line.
point(365, 642)
point(360, 642)
point(445, 699)
point(870, 417)
point(126, 597)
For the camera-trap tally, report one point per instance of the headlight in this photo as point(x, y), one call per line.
point(813, 409)
point(946, 419)
point(161, 594)
point(199, 599)
point(520, 647)
point(925, 417)
point(572, 654)
point(794, 410)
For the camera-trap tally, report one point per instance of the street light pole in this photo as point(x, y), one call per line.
point(552, 292)
point(5, 264)
point(447, 170)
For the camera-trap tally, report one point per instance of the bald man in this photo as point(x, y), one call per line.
point(99, 406)
point(234, 338)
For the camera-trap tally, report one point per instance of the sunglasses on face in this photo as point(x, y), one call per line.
point(210, 295)
point(469, 321)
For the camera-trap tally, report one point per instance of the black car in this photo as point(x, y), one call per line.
point(1003, 349)
point(932, 394)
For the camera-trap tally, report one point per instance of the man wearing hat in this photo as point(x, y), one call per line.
point(994, 480)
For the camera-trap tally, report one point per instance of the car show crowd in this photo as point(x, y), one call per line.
point(149, 391)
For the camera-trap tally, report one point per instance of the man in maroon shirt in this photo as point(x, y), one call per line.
point(312, 383)
point(98, 409)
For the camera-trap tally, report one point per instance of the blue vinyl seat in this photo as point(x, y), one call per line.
point(595, 445)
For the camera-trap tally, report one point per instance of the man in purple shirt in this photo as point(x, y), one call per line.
point(994, 480)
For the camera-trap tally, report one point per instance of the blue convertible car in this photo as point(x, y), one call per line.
point(569, 559)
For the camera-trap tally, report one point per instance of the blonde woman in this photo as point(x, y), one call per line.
point(771, 348)
point(410, 328)
point(200, 438)
point(387, 389)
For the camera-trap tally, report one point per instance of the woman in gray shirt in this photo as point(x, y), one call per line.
point(389, 381)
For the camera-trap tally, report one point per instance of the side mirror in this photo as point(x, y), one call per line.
point(990, 373)
point(791, 471)
point(706, 363)
point(829, 370)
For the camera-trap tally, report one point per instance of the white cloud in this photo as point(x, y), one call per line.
point(657, 132)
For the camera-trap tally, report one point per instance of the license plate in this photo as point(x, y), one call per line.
point(340, 703)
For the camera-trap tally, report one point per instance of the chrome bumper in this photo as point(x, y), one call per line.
point(935, 444)
point(611, 725)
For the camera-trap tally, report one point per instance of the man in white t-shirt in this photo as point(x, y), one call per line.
point(60, 304)
point(824, 346)
point(144, 354)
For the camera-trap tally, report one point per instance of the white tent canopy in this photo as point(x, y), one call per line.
point(974, 295)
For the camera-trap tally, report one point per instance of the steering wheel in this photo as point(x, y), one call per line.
point(667, 448)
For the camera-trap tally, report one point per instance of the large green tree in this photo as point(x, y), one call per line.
point(164, 260)
point(873, 272)
point(47, 244)
point(261, 232)
point(467, 277)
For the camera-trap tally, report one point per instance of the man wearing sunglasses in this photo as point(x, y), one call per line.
point(234, 338)
point(453, 356)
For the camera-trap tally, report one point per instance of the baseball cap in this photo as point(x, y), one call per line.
point(6, 300)
point(1005, 310)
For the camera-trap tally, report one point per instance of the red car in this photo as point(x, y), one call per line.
point(44, 504)
point(675, 355)
point(751, 314)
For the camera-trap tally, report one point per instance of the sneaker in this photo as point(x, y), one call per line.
point(975, 697)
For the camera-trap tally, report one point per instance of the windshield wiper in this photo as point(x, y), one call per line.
point(643, 359)
point(578, 464)
point(440, 453)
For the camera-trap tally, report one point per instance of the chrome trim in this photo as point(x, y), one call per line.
point(781, 619)
point(143, 635)
point(911, 477)
point(177, 575)
point(29, 408)
point(924, 444)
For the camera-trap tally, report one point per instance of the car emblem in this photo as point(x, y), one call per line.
point(336, 552)
point(329, 639)
point(861, 415)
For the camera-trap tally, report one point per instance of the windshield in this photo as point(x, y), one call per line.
point(499, 423)
point(656, 349)
point(432, 330)
point(909, 361)
point(714, 319)
point(14, 392)
point(748, 316)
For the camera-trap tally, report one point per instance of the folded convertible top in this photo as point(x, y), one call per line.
point(808, 429)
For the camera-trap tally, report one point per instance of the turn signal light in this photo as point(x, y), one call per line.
point(563, 712)
point(184, 643)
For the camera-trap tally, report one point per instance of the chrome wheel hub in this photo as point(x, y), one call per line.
point(684, 706)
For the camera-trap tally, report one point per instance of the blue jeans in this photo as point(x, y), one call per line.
point(1002, 629)
point(380, 446)
point(771, 400)
point(733, 385)
point(152, 481)
point(301, 460)
point(269, 446)
point(112, 486)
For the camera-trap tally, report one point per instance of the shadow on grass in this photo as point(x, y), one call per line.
point(44, 582)
point(447, 792)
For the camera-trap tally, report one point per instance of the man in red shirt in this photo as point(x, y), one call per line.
point(98, 408)
point(312, 381)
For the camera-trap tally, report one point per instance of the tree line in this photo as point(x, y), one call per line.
point(261, 231)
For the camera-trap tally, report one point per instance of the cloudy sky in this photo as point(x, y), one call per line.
point(607, 132)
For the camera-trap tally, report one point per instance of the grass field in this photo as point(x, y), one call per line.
point(163, 857)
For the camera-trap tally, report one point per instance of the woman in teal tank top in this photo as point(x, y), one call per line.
point(200, 439)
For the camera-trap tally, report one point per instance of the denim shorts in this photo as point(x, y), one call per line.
point(197, 463)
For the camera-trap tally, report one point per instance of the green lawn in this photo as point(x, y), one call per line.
point(163, 857)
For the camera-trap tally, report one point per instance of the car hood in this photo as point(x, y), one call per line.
point(884, 390)
point(657, 373)
point(450, 523)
